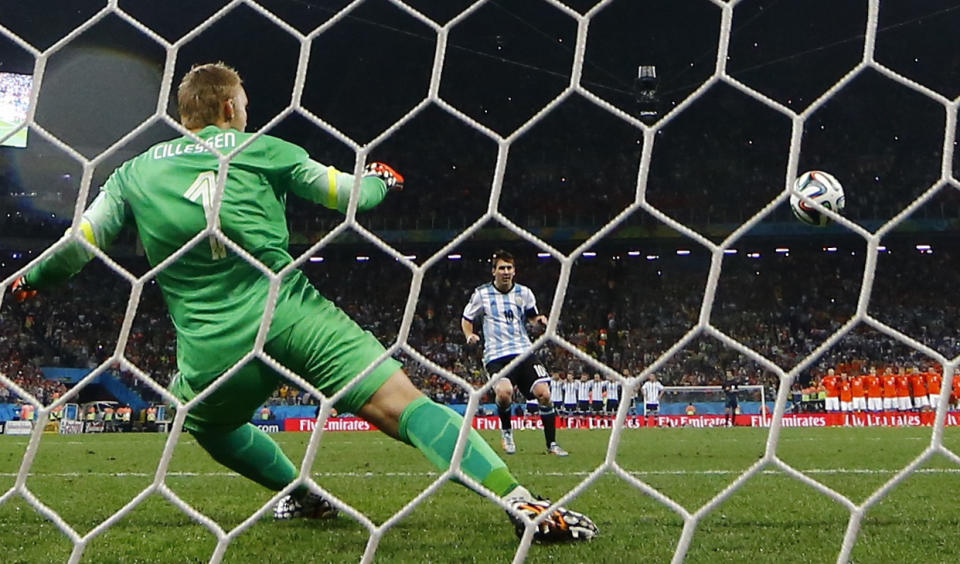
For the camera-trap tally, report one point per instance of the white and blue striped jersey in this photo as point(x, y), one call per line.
point(584, 387)
point(505, 317)
point(596, 390)
point(613, 391)
point(651, 392)
point(570, 392)
point(556, 390)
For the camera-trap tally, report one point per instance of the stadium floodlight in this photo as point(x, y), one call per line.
point(653, 257)
point(589, 254)
point(923, 248)
point(753, 255)
point(782, 250)
point(454, 256)
point(544, 255)
point(316, 259)
point(633, 253)
point(683, 252)
point(645, 91)
point(829, 249)
point(362, 258)
point(729, 251)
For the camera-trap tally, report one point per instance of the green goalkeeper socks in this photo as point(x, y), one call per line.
point(251, 453)
point(434, 428)
point(430, 427)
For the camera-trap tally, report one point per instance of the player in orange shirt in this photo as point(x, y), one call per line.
point(889, 381)
point(830, 384)
point(859, 390)
point(955, 397)
point(846, 393)
point(903, 391)
point(874, 390)
point(934, 381)
point(918, 388)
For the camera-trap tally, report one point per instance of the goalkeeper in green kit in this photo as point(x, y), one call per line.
point(217, 299)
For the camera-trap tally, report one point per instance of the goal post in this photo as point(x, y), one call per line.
point(709, 400)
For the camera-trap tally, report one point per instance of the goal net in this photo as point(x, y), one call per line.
point(609, 170)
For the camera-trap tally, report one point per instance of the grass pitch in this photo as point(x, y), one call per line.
point(19, 139)
point(772, 518)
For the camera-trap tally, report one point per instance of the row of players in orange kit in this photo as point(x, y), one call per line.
point(905, 390)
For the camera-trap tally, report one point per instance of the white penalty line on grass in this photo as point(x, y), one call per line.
point(434, 474)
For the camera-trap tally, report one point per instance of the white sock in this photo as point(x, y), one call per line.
point(520, 492)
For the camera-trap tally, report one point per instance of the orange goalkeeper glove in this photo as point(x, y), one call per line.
point(21, 290)
point(390, 177)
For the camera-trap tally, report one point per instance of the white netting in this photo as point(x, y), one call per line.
point(690, 516)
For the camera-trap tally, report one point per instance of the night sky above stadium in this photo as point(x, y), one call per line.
point(503, 62)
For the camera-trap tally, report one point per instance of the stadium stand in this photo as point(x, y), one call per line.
point(625, 312)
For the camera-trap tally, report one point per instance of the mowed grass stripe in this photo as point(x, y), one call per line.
point(435, 474)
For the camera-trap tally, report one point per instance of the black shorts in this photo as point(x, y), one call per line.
point(731, 404)
point(524, 376)
point(653, 407)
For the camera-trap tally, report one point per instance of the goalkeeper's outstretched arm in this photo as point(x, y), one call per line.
point(327, 186)
point(100, 225)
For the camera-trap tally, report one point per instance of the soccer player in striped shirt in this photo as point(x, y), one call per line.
point(652, 391)
point(584, 387)
point(613, 396)
point(597, 390)
point(556, 391)
point(570, 394)
point(217, 298)
point(505, 308)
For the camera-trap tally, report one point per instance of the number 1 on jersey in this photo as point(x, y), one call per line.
point(202, 191)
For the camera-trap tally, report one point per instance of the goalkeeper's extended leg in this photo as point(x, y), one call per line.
point(251, 453)
point(220, 424)
point(401, 411)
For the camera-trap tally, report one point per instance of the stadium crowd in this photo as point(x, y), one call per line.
point(14, 96)
point(622, 310)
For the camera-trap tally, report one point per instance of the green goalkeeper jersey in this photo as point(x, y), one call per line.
point(216, 298)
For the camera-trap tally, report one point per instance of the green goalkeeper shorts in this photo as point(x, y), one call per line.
point(326, 348)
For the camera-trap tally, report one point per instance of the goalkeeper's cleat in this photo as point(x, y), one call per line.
point(390, 177)
point(556, 449)
point(509, 446)
point(312, 506)
point(21, 290)
point(562, 524)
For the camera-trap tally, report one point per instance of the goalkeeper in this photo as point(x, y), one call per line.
point(217, 298)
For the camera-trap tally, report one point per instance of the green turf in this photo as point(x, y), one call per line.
point(772, 518)
point(19, 139)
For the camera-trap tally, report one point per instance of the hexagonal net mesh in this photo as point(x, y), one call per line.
point(704, 327)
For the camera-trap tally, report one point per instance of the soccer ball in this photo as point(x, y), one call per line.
point(822, 188)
